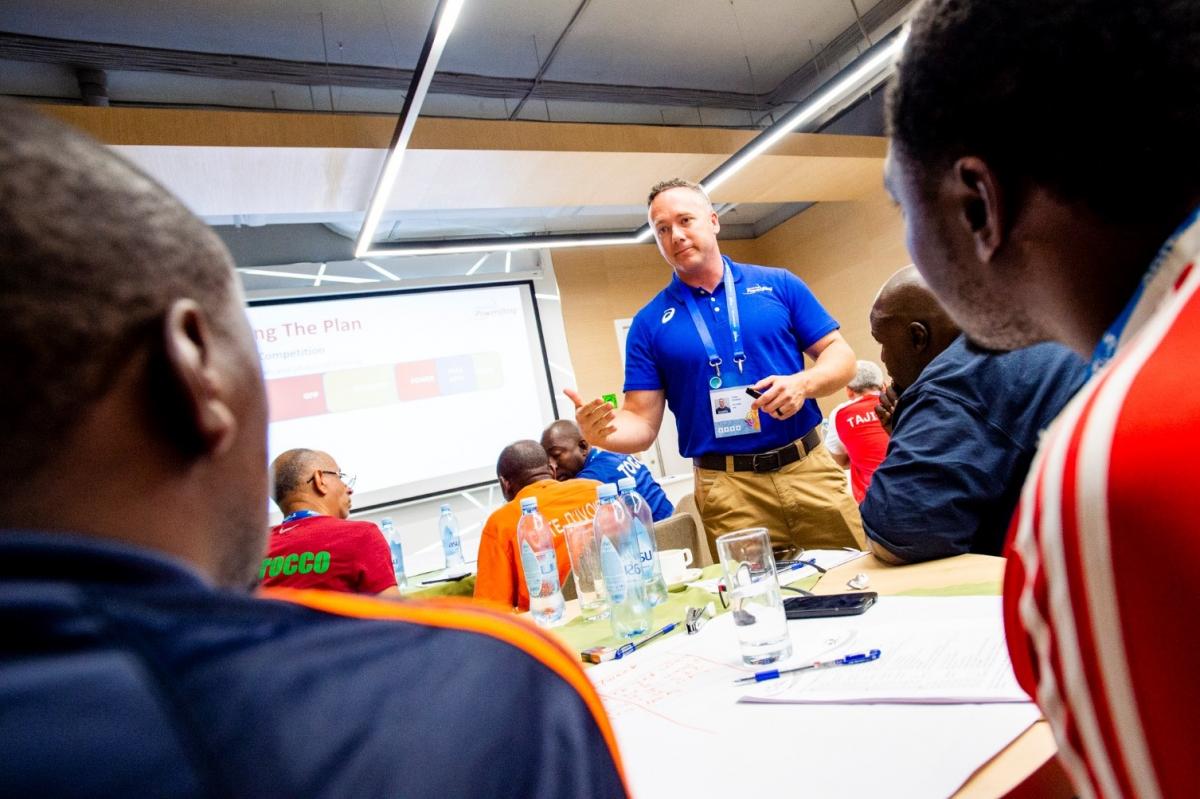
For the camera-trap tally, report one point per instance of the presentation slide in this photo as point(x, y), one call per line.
point(415, 392)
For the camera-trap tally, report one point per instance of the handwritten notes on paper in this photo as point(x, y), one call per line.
point(678, 717)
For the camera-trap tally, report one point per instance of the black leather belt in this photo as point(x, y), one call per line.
point(771, 461)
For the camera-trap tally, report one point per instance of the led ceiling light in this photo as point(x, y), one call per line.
point(302, 276)
point(863, 75)
point(502, 244)
point(444, 17)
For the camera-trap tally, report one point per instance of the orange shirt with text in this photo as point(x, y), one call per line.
point(500, 578)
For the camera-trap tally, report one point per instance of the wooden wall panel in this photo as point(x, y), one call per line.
point(844, 252)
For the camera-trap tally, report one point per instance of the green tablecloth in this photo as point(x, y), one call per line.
point(579, 634)
point(414, 589)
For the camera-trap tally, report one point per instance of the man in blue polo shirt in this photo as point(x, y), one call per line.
point(723, 345)
point(573, 456)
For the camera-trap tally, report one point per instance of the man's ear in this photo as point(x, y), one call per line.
point(980, 205)
point(505, 486)
point(207, 423)
point(918, 336)
point(716, 222)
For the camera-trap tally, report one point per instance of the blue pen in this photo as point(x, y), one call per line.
point(624, 650)
point(792, 565)
point(848, 660)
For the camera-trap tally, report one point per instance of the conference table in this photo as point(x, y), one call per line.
point(964, 575)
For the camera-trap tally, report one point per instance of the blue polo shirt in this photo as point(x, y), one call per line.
point(780, 319)
point(609, 467)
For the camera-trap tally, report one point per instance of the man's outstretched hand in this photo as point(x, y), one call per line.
point(595, 419)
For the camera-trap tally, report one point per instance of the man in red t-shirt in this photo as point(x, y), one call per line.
point(1083, 228)
point(316, 546)
point(524, 470)
point(855, 438)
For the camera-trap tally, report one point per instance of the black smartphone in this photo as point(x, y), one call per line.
point(811, 607)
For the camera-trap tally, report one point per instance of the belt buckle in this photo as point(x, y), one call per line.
point(769, 461)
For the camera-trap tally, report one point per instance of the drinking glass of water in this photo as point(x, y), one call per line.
point(585, 565)
point(755, 600)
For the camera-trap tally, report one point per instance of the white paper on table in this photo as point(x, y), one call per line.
point(935, 650)
point(825, 558)
point(682, 731)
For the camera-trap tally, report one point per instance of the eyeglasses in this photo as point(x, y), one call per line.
point(347, 479)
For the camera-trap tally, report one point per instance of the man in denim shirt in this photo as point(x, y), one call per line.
point(965, 427)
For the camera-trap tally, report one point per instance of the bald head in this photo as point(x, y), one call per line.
point(908, 296)
point(911, 326)
point(308, 479)
point(520, 464)
point(566, 447)
point(291, 470)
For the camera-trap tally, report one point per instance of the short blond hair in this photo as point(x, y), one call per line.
point(677, 183)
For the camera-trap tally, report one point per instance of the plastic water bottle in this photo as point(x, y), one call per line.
point(621, 565)
point(539, 563)
point(643, 533)
point(393, 538)
point(451, 544)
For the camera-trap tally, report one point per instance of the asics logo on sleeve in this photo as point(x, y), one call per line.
point(667, 314)
point(758, 288)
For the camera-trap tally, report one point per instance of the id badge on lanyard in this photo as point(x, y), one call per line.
point(729, 406)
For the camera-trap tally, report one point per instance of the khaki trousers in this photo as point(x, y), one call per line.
point(805, 504)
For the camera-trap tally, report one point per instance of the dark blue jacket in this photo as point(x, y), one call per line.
point(123, 674)
point(963, 437)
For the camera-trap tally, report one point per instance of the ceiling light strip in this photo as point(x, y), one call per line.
point(444, 17)
point(864, 73)
point(475, 267)
point(501, 244)
point(301, 276)
point(381, 271)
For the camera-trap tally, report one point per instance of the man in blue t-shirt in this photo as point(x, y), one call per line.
point(573, 456)
point(723, 345)
point(964, 428)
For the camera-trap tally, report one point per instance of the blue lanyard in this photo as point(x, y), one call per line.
point(735, 327)
point(1107, 347)
point(299, 514)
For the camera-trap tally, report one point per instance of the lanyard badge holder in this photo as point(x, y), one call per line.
point(732, 414)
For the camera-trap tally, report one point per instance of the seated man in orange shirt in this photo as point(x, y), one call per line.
point(524, 470)
point(316, 546)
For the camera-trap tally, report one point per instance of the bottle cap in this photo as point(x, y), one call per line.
point(445, 507)
point(606, 490)
point(626, 484)
point(385, 522)
point(529, 503)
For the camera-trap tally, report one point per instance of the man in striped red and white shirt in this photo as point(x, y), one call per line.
point(1044, 155)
